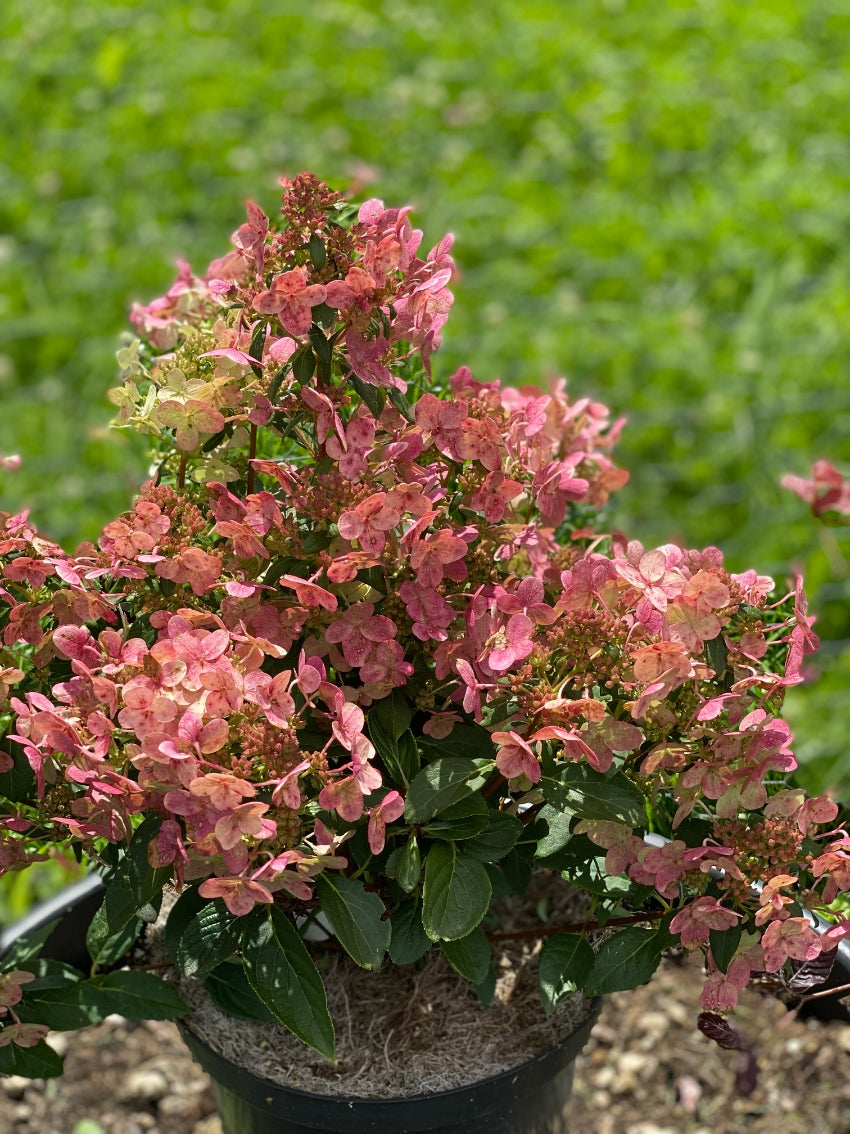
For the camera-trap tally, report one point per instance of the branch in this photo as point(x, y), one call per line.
point(577, 927)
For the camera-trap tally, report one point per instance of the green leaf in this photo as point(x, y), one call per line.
point(456, 895)
point(463, 820)
point(464, 740)
point(135, 883)
point(565, 963)
point(356, 918)
point(501, 835)
point(317, 251)
point(65, 1009)
point(627, 959)
point(303, 364)
point(37, 1062)
point(324, 315)
point(138, 996)
point(470, 955)
point(49, 974)
point(388, 727)
point(485, 990)
point(724, 945)
point(230, 989)
point(211, 937)
point(373, 396)
point(443, 783)
point(88, 1126)
point(323, 349)
point(258, 343)
point(283, 975)
point(557, 830)
point(409, 865)
point(18, 782)
point(409, 940)
point(180, 916)
point(28, 945)
point(401, 403)
point(576, 789)
point(107, 948)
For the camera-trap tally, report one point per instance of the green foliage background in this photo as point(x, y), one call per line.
point(651, 198)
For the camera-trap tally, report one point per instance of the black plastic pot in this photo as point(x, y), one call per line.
point(531, 1099)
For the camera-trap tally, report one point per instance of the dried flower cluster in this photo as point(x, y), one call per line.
point(358, 649)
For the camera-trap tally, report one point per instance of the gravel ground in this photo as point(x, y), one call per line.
point(646, 1070)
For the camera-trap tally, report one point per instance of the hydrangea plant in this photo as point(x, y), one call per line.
point(362, 652)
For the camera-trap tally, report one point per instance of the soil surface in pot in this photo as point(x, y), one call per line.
point(415, 1029)
point(646, 1070)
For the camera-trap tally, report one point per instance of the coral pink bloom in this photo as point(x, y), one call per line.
point(370, 521)
point(367, 358)
point(250, 237)
point(240, 894)
point(481, 441)
point(509, 643)
point(493, 496)
point(647, 572)
point(695, 921)
point(622, 844)
point(357, 287)
point(441, 423)
point(515, 757)
point(720, 992)
point(431, 554)
point(292, 300)
point(244, 819)
point(343, 796)
point(23, 1035)
point(310, 594)
point(358, 628)
point(191, 565)
point(793, 937)
point(350, 451)
point(388, 810)
point(25, 569)
point(429, 611)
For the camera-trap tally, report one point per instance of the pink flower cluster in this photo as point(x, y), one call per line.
point(330, 531)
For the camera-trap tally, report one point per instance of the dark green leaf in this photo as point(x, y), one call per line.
point(276, 383)
point(65, 1009)
point(516, 868)
point(49, 974)
point(135, 883)
point(303, 364)
point(37, 1062)
point(283, 975)
point(211, 937)
point(373, 396)
point(388, 730)
point(556, 825)
point(494, 843)
point(323, 350)
point(724, 945)
point(19, 782)
point(576, 789)
point(107, 948)
point(470, 955)
point(456, 895)
point(443, 783)
point(28, 945)
point(317, 251)
point(230, 989)
point(180, 916)
point(409, 865)
point(324, 315)
point(409, 940)
point(356, 918)
point(464, 740)
point(485, 990)
point(627, 959)
point(401, 403)
point(463, 820)
point(565, 963)
point(138, 996)
point(258, 343)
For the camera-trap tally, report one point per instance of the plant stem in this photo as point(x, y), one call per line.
point(181, 472)
point(577, 927)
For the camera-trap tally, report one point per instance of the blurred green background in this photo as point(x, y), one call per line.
point(651, 198)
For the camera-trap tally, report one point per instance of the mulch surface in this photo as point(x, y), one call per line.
point(646, 1070)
